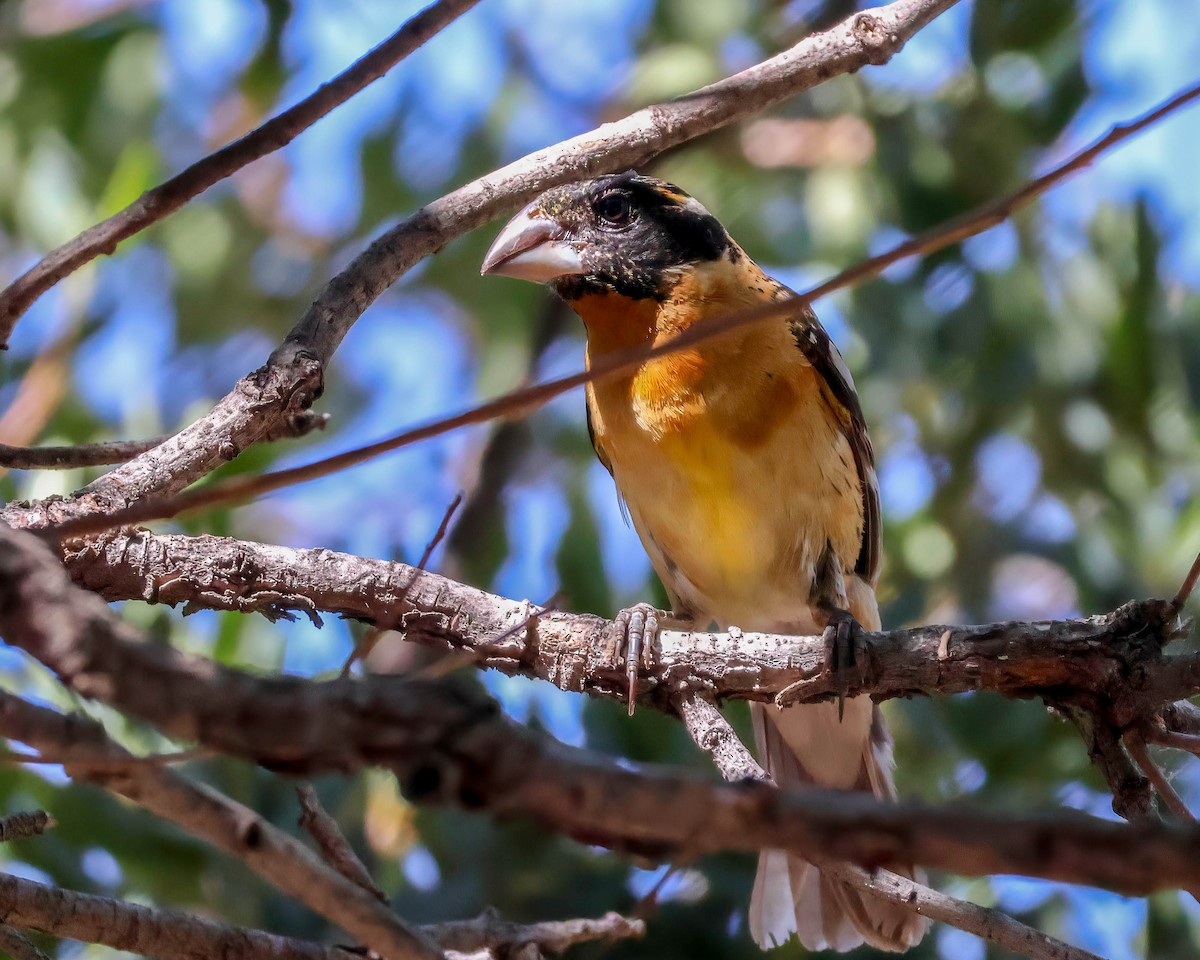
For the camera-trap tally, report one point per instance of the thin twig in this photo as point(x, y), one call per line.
point(332, 842)
point(67, 457)
point(368, 642)
point(985, 923)
point(1167, 793)
point(1188, 585)
point(17, 946)
point(529, 398)
point(17, 826)
point(491, 932)
point(106, 762)
point(1173, 738)
point(286, 385)
point(170, 195)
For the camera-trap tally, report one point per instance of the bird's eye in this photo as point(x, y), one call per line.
point(614, 210)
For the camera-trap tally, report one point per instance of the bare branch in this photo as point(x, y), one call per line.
point(83, 455)
point(1189, 584)
point(713, 734)
point(489, 931)
point(1162, 786)
point(292, 377)
point(16, 946)
point(274, 855)
point(173, 935)
point(528, 398)
point(17, 826)
point(167, 197)
point(168, 934)
point(987, 924)
point(451, 746)
point(333, 843)
point(1113, 663)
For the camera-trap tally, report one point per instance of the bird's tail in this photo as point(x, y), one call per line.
point(807, 744)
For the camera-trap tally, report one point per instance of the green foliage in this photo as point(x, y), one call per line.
point(1039, 392)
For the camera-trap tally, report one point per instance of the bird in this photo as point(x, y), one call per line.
point(744, 464)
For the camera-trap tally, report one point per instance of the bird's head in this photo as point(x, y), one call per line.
point(624, 234)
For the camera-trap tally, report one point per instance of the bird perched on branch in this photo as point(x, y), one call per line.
point(746, 469)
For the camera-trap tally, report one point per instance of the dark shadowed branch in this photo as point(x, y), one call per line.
point(173, 935)
point(168, 934)
point(229, 826)
point(17, 826)
point(451, 746)
point(66, 457)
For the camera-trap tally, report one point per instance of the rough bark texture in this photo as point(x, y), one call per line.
point(1113, 664)
point(450, 746)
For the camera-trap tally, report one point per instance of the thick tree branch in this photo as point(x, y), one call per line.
point(168, 934)
point(167, 197)
point(292, 377)
point(1111, 664)
point(450, 746)
point(173, 935)
point(275, 856)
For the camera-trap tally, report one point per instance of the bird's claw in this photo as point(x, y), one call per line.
point(845, 651)
point(632, 642)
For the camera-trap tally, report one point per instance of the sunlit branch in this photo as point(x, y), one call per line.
point(532, 397)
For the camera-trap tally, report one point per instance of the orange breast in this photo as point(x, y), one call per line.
point(734, 468)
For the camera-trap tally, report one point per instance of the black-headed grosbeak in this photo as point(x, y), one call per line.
point(746, 468)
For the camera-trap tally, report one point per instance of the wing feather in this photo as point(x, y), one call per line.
point(839, 392)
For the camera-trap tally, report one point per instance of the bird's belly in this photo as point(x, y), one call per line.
point(735, 533)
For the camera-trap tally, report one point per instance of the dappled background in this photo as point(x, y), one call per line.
point(1030, 391)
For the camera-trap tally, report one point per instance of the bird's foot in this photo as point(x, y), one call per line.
point(631, 642)
point(845, 652)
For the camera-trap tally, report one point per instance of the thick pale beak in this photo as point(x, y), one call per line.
point(532, 247)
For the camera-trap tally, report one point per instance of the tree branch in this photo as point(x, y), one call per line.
point(168, 934)
point(712, 733)
point(489, 931)
point(16, 946)
point(83, 455)
point(173, 935)
point(449, 746)
point(275, 856)
point(332, 842)
point(530, 397)
point(1112, 664)
point(292, 377)
point(169, 196)
point(17, 826)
